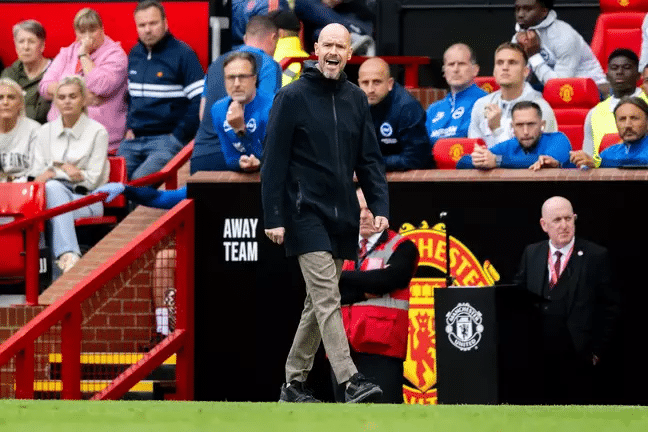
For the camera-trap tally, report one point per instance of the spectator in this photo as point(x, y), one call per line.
point(17, 133)
point(450, 117)
point(243, 10)
point(240, 118)
point(631, 119)
point(28, 70)
point(164, 85)
point(70, 156)
point(102, 62)
point(554, 48)
point(260, 40)
point(622, 75)
point(289, 44)
point(398, 118)
point(491, 115)
point(644, 80)
point(356, 15)
point(530, 148)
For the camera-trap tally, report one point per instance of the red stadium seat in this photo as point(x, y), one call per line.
point(571, 100)
point(447, 151)
point(117, 174)
point(609, 140)
point(17, 201)
point(608, 6)
point(487, 83)
point(616, 30)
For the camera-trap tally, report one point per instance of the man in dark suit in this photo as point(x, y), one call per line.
point(581, 308)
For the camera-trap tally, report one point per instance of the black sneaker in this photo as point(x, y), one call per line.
point(296, 391)
point(362, 390)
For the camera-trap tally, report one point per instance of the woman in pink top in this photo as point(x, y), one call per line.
point(103, 64)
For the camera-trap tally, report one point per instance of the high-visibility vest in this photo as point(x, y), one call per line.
point(379, 325)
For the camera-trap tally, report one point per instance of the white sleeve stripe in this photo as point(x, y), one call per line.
point(154, 94)
point(195, 93)
point(155, 87)
point(190, 88)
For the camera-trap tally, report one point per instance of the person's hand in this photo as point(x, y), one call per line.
point(235, 116)
point(530, 41)
point(129, 135)
point(112, 189)
point(276, 235)
point(493, 114)
point(86, 46)
point(93, 99)
point(42, 178)
point(483, 158)
point(371, 296)
point(380, 223)
point(544, 161)
point(581, 159)
point(249, 163)
point(73, 172)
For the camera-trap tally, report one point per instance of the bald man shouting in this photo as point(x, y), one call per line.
point(398, 118)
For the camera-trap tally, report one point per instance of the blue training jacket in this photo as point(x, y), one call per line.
point(450, 117)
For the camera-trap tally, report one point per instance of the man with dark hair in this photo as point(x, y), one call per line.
point(289, 43)
point(530, 148)
point(261, 41)
point(622, 75)
point(450, 117)
point(554, 48)
point(319, 134)
point(631, 119)
point(165, 80)
point(398, 118)
point(240, 118)
point(244, 10)
point(491, 115)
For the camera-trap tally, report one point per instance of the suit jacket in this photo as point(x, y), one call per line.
point(591, 302)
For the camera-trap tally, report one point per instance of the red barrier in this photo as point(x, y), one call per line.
point(411, 64)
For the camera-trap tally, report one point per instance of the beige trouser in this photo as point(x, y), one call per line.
point(321, 320)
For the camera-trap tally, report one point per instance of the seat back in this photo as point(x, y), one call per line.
point(571, 100)
point(117, 174)
point(609, 140)
point(616, 30)
point(608, 6)
point(17, 201)
point(448, 151)
point(487, 83)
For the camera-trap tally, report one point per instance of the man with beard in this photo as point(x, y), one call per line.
point(631, 117)
point(622, 75)
point(320, 133)
point(530, 148)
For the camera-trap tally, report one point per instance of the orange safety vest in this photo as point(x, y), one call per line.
point(379, 325)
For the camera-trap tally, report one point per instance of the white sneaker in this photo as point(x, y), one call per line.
point(67, 261)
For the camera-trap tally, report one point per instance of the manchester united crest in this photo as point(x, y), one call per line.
point(420, 369)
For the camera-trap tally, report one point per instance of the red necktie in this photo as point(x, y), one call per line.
point(556, 269)
point(362, 252)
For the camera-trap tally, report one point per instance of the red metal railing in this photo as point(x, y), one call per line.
point(410, 63)
point(168, 175)
point(63, 319)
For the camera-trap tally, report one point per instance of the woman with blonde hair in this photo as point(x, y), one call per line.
point(28, 70)
point(103, 64)
point(17, 133)
point(70, 156)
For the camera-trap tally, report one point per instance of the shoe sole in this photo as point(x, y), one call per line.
point(371, 396)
